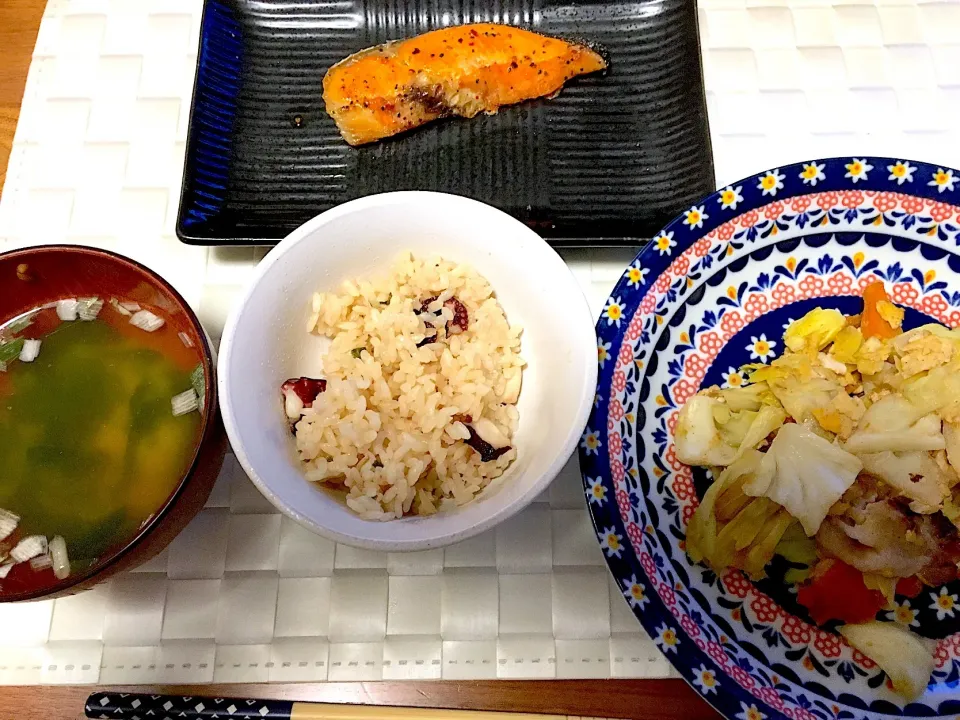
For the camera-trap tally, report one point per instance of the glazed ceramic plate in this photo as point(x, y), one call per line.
point(713, 291)
point(611, 159)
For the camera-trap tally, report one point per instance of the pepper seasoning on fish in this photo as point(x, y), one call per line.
point(457, 71)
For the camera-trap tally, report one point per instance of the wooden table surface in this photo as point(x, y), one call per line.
point(640, 699)
point(19, 20)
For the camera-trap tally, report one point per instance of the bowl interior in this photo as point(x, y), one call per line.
point(265, 342)
point(37, 276)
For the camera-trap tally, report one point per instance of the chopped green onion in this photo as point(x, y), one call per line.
point(8, 523)
point(41, 562)
point(30, 350)
point(59, 558)
point(118, 306)
point(146, 320)
point(10, 350)
point(67, 309)
point(185, 402)
point(28, 548)
point(18, 326)
point(199, 383)
point(89, 308)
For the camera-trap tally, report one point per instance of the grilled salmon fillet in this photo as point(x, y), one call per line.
point(456, 71)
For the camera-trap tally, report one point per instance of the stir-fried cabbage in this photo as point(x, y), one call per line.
point(798, 385)
point(800, 398)
point(711, 432)
point(805, 474)
point(731, 529)
point(799, 550)
point(844, 452)
point(940, 331)
point(766, 420)
point(950, 476)
point(921, 350)
point(697, 439)
point(760, 552)
point(893, 424)
point(935, 391)
point(907, 659)
point(952, 334)
point(915, 475)
point(748, 397)
point(951, 437)
point(702, 528)
point(814, 331)
point(732, 426)
point(796, 547)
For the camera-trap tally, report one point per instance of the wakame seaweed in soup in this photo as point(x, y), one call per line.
point(100, 417)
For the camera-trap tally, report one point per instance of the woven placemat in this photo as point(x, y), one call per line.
point(244, 594)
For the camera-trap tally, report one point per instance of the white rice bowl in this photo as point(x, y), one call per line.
point(391, 427)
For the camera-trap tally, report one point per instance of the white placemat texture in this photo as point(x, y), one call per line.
point(245, 595)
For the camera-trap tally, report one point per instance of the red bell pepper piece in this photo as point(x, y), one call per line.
point(840, 594)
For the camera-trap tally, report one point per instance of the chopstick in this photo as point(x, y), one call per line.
point(131, 706)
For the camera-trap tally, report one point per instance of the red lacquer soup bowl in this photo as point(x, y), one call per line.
point(40, 278)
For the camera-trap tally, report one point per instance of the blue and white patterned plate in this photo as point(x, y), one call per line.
point(712, 291)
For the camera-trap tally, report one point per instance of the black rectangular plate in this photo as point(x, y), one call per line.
point(607, 162)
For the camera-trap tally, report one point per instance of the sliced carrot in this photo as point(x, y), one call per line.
point(872, 323)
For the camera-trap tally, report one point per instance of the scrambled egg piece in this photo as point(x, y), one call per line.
point(923, 353)
point(832, 364)
point(814, 331)
point(829, 420)
point(871, 356)
point(892, 314)
point(846, 344)
point(841, 416)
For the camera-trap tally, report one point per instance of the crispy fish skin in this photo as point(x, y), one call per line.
point(457, 71)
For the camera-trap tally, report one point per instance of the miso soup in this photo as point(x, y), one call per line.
point(100, 417)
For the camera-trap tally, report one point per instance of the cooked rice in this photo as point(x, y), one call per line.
point(385, 428)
